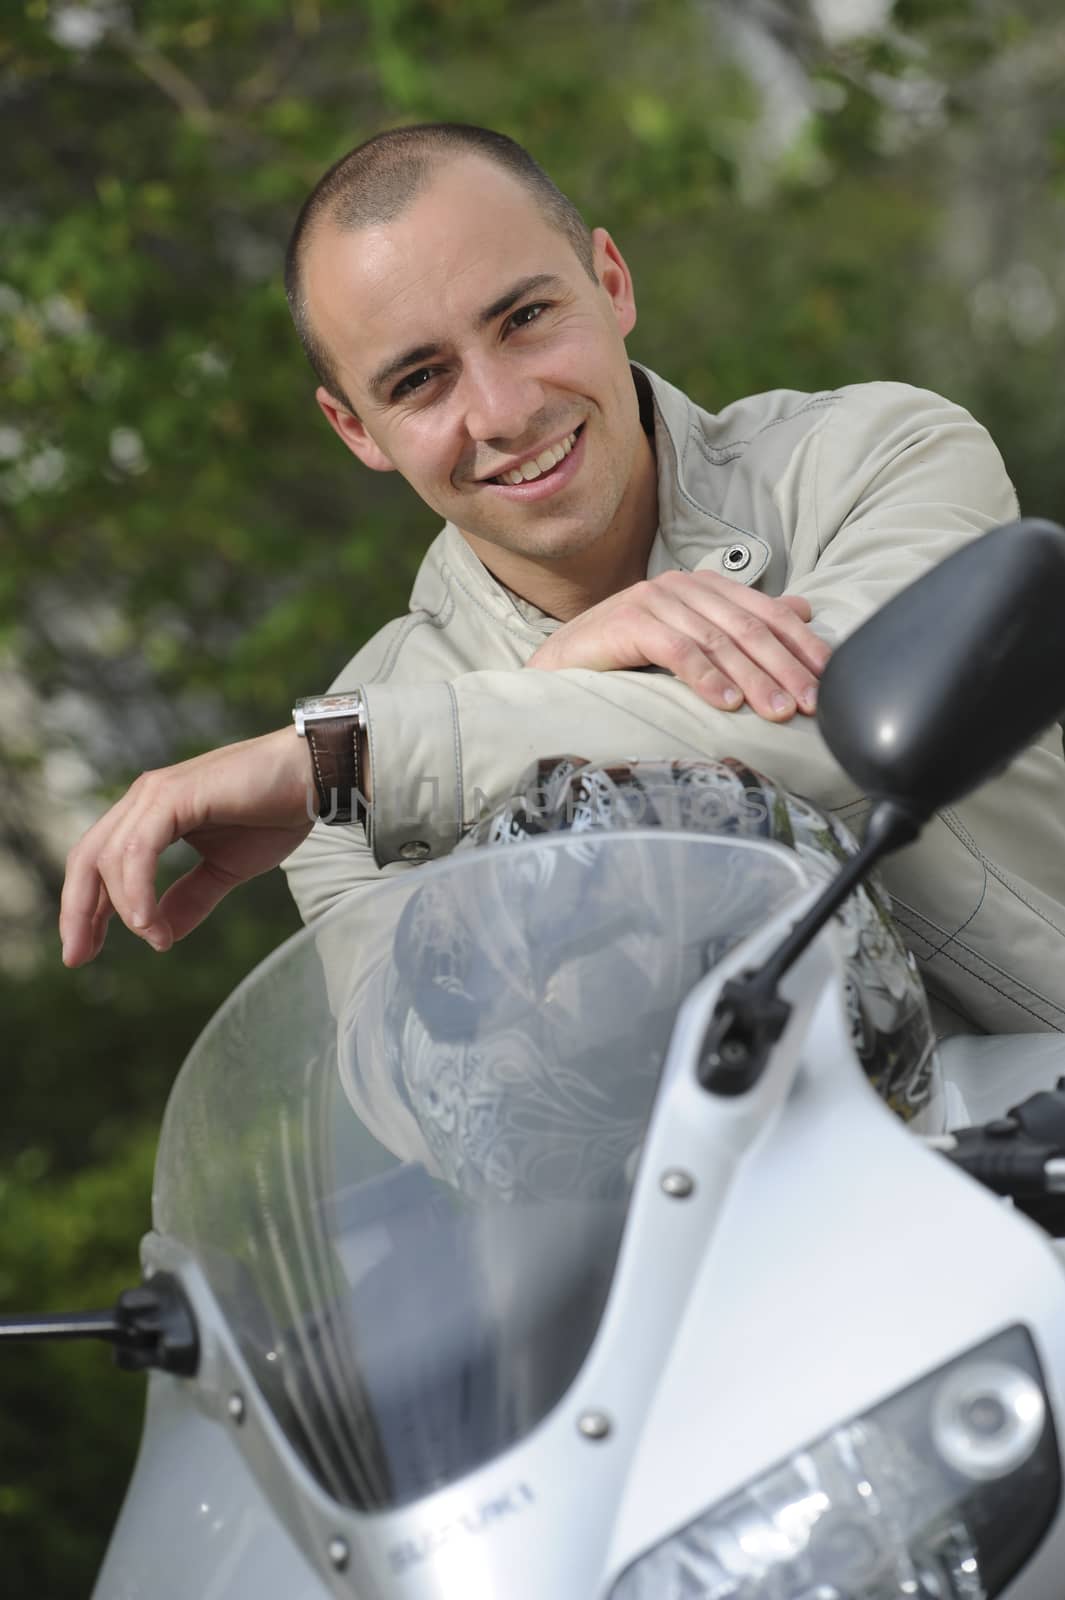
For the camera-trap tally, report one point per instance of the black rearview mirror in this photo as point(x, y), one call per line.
point(934, 693)
point(951, 679)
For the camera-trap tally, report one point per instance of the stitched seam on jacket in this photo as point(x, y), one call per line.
point(716, 516)
point(816, 475)
point(920, 921)
point(815, 490)
point(734, 447)
point(512, 625)
point(899, 906)
point(849, 808)
point(694, 504)
point(958, 931)
point(459, 795)
point(867, 486)
point(958, 828)
point(1011, 999)
point(419, 619)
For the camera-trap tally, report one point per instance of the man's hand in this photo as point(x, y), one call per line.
point(729, 643)
point(244, 808)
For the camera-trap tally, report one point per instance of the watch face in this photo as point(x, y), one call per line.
point(327, 708)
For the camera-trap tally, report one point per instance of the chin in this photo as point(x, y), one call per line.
point(565, 543)
point(562, 549)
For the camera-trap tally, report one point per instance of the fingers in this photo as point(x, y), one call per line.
point(83, 921)
point(773, 682)
point(728, 643)
point(759, 646)
point(103, 914)
point(112, 872)
point(193, 897)
point(130, 863)
point(706, 659)
point(243, 807)
point(671, 643)
point(85, 905)
point(795, 602)
point(786, 616)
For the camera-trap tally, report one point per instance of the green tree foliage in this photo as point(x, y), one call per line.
point(186, 546)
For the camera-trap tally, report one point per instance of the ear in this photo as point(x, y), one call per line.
point(615, 277)
point(352, 430)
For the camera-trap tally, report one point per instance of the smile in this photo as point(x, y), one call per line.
point(538, 466)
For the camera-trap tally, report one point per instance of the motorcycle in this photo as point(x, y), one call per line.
point(596, 1268)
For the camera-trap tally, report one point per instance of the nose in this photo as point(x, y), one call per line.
point(500, 400)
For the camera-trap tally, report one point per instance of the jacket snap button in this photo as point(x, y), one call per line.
point(414, 850)
point(736, 557)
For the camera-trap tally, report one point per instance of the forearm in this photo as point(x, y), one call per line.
point(441, 752)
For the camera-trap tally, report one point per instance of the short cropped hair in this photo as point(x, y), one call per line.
point(378, 180)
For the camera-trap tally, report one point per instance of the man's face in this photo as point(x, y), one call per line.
point(471, 343)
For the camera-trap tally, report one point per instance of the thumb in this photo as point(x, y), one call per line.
point(190, 900)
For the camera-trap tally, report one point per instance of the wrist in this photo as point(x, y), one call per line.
point(287, 773)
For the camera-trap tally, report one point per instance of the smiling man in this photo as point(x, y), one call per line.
point(620, 573)
point(502, 394)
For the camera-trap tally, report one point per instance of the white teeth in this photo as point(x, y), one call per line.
point(536, 466)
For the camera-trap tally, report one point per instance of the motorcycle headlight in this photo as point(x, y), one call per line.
point(940, 1493)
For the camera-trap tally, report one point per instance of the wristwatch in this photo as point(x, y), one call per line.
point(333, 725)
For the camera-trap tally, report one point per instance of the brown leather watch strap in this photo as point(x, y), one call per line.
point(334, 747)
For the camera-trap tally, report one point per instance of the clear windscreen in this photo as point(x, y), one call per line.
point(402, 1152)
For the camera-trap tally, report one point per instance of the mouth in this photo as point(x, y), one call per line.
point(541, 474)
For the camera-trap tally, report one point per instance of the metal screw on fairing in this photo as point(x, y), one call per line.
point(594, 1425)
point(677, 1184)
point(338, 1553)
point(235, 1407)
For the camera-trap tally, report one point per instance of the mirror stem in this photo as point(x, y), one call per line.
point(750, 1015)
point(62, 1325)
point(150, 1326)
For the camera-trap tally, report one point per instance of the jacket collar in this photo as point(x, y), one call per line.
point(691, 528)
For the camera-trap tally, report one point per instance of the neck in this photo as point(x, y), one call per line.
point(565, 586)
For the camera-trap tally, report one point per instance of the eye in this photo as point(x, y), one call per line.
point(527, 314)
point(412, 382)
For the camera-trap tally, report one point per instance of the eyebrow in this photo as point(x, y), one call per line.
point(516, 292)
point(426, 352)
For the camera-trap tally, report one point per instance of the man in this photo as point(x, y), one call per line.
point(469, 332)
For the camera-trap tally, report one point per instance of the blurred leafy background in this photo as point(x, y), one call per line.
point(809, 194)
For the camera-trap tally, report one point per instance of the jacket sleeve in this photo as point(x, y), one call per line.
point(333, 861)
point(892, 481)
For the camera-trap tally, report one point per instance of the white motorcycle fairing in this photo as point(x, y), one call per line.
point(790, 1259)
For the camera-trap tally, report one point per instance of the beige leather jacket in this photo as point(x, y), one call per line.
point(843, 497)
